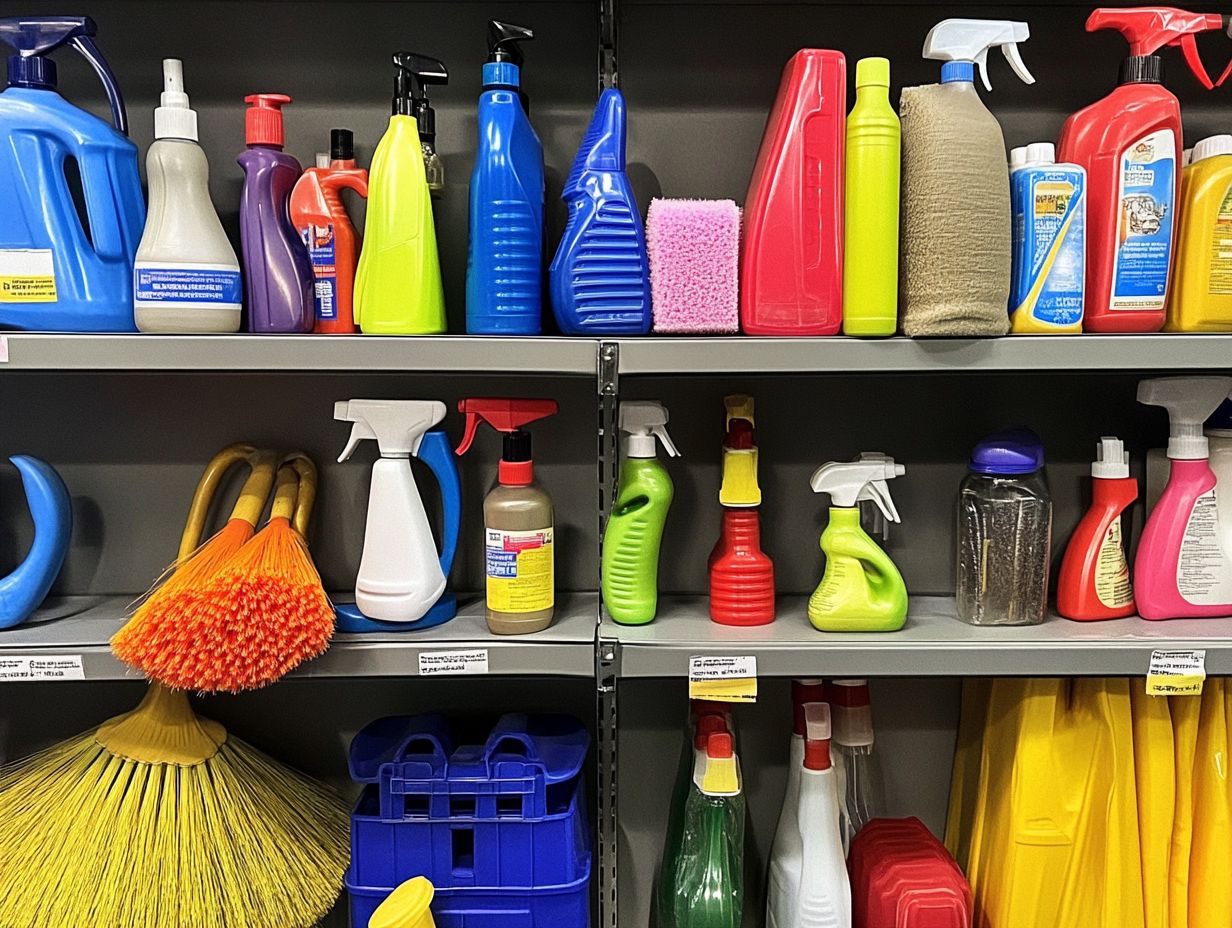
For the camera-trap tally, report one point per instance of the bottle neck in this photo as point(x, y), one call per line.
point(743, 525)
point(845, 516)
point(343, 164)
point(516, 473)
point(874, 92)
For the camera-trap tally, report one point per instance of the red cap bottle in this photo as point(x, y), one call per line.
point(263, 119)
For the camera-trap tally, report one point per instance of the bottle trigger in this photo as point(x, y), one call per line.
point(1012, 55)
point(1189, 48)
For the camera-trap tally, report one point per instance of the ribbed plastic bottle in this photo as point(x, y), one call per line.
point(52, 277)
point(504, 263)
point(318, 214)
point(278, 278)
point(629, 567)
point(398, 288)
point(809, 887)
point(1094, 581)
point(870, 230)
point(600, 276)
point(186, 277)
point(1200, 299)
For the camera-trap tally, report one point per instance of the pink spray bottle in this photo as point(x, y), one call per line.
point(1182, 569)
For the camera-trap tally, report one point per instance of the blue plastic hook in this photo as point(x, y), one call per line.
point(51, 508)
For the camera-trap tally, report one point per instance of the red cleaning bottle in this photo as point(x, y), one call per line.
point(321, 219)
point(791, 263)
point(1130, 144)
point(1094, 582)
point(741, 574)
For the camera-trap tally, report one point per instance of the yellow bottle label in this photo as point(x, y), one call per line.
point(520, 570)
point(1220, 280)
point(27, 275)
point(1112, 584)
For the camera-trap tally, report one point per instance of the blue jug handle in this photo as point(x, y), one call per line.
point(437, 453)
point(51, 510)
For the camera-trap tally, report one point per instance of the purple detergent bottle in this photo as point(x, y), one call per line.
point(278, 280)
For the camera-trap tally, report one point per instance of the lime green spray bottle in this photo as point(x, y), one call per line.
point(398, 289)
point(861, 590)
point(630, 562)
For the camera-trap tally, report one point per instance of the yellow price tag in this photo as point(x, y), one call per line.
point(1176, 673)
point(723, 679)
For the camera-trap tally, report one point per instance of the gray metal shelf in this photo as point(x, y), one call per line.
point(82, 625)
point(934, 643)
point(940, 355)
point(53, 352)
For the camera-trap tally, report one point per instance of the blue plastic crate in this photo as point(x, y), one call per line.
point(509, 814)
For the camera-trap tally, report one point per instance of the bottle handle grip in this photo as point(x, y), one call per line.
point(85, 46)
point(435, 451)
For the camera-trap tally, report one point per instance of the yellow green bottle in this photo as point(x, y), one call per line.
point(861, 590)
point(398, 289)
point(870, 249)
point(629, 567)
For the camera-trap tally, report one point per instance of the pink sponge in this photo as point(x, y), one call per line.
point(694, 248)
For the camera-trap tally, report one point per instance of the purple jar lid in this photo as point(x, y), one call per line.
point(1014, 451)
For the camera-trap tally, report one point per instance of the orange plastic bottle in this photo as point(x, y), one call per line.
point(333, 244)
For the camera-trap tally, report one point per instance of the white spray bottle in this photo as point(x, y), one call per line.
point(811, 887)
point(400, 575)
point(186, 277)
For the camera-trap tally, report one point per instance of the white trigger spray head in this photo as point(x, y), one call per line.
point(968, 40)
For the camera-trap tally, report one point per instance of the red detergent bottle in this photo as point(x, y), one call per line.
point(791, 261)
point(1130, 144)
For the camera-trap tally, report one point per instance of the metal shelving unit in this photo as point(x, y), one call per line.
point(934, 643)
point(82, 625)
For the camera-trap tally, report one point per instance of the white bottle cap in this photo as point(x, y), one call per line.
point(1018, 157)
point(1211, 146)
point(1111, 459)
point(1186, 157)
point(173, 119)
point(1041, 153)
point(322, 159)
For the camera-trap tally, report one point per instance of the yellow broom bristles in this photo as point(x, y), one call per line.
point(259, 616)
point(236, 841)
point(152, 628)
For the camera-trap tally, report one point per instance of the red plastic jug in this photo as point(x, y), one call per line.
point(791, 265)
point(903, 877)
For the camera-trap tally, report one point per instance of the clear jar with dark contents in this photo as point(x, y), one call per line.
point(1004, 532)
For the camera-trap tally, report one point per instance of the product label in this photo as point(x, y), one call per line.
point(200, 284)
point(1203, 572)
point(520, 570)
point(1147, 187)
point(29, 669)
point(322, 251)
point(1220, 280)
point(1049, 288)
point(724, 679)
point(27, 275)
point(444, 663)
point(1176, 673)
point(1112, 584)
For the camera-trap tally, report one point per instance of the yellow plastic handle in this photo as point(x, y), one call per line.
point(306, 471)
point(207, 488)
point(286, 490)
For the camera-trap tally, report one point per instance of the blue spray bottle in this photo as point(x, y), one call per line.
point(55, 273)
point(600, 278)
point(504, 265)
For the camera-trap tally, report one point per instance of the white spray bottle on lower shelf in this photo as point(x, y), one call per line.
point(809, 888)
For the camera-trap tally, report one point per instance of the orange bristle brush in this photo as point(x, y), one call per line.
point(265, 611)
point(150, 631)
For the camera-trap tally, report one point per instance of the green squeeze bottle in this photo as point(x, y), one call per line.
point(630, 562)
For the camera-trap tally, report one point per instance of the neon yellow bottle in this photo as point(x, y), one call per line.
point(398, 288)
point(1200, 299)
point(870, 256)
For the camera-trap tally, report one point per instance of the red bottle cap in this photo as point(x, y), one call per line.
point(816, 736)
point(263, 119)
point(708, 725)
point(719, 745)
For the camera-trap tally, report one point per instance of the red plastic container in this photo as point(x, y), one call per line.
point(903, 877)
point(741, 574)
point(1088, 589)
point(1130, 144)
point(791, 262)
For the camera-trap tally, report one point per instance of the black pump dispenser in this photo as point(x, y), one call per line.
point(412, 77)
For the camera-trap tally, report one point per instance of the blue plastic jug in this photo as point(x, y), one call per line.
point(504, 264)
point(55, 273)
point(600, 277)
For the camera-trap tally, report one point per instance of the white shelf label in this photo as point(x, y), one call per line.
point(1176, 673)
point(20, 669)
point(441, 663)
point(725, 679)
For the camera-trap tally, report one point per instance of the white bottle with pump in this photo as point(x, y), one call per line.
point(400, 576)
point(186, 277)
point(810, 888)
point(955, 269)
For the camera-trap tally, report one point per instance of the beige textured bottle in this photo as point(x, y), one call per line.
point(518, 521)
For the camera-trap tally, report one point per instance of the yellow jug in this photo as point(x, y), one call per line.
point(1200, 299)
point(406, 906)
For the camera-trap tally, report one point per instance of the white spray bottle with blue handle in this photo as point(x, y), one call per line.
point(402, 580)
